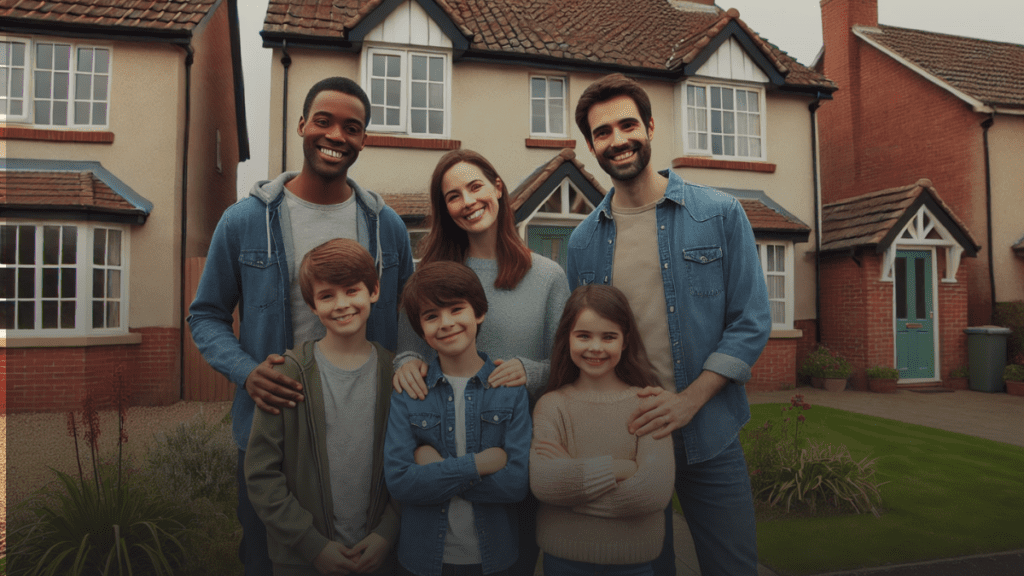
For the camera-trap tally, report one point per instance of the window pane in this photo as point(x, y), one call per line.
point(392, 117)
point(418, 68)
point(394, 66)
point(8, 244)
point(419, 121)
point(537, 88)
point(741, 100)
point(776, 286)
point(6, 282)
point(7, 315)
point(17, 54)
point(377, 91)
point(716, 97)
point(42, 84)
point(436, 122)
point(81, 112)
point(16, 107)
point(901, 287)
point(376, 115)
point(60, 113)
point(727, 99)
point(50, 311)
point(51, 277)
point(436, 96)
point(68, 282)
point(537, 118)
point(113, 283)
point(780, 258)
point(84, 60)
point(741, 147)
point(394, 93)
point(99, 113)
point(26, 315)
point(26, 245)
point(728, 123)
point(778, 312)
point(437, 69)
point(83, 86)
point(753, 102)
point(42, 112)
point(113, 314)
point(730, 146)
point(26, 283)
point(97, 314)
point(69, 254)
point(755, 148)
point(44, 56)
point(51, 244)
point(97, 284)
point(716, 121)
point(770, 251)
point(98, 245)
point(101, 61)
point(419, 95)
point(114, 247)
point(67, 314)
point(99, 88)
point(716, 144)
point(378, 64)
point(60, 85)
point(555, 110)
point(919, 282)
point(62, 57)
point(555, 87)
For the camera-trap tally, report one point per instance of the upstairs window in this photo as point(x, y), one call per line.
point(724, 121)
point(54, 84)
point(409, 92)
point(547, 106)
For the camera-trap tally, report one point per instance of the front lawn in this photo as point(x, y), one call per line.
point(946, 495)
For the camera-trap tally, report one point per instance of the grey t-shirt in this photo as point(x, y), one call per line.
point(350, 403)
point(312, 225)
point(461, 545)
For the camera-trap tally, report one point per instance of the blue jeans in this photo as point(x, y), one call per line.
point(252, 551)
point(555, 566)
point(719, 509)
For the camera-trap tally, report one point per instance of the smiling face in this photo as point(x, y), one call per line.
point(333, 134)
point(343, 310)
point(595, 346)
point(472, 200)
point(621, 142)
point(451, 330)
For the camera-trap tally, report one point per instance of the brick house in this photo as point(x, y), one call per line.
point(122, 126)
point(946, 112)
point(731, 110)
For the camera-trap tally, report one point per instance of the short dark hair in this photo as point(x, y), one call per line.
point(605, 89)
point(341, 262)
point(337, 84)
point(442, 283)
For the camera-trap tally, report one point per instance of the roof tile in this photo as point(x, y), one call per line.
point(59, 189)
point(180, 15)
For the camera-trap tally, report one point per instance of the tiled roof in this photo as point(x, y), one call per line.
point(992, 72)
point(650, 34)
point(410, 206)
point(532, 183)
point(867, 219)
point(55, 190)
point(765, 219)
point(165, 15)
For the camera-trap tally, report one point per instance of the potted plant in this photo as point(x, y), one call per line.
point(882, 379)
point(826, 369)
point(957, 378)
point(1013, 375)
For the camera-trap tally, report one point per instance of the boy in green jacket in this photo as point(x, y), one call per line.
point(314, 475)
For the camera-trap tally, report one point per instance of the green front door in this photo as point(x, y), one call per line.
point(915, 324)
point(550, 241)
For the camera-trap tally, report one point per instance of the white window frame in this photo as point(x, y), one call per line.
point(404, 125)
point(86, 269)
point(698, 121)
point(7, 68)
point(786, 301)
point(546, 101)
point(70, 100)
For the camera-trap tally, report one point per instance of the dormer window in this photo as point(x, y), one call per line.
point(724, 121)
point(409, 91)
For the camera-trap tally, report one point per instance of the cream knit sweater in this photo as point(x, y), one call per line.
point(585, 515)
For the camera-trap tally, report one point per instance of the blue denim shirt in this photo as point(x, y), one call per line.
point(246, 265)
point(494, 417)
point(715, 297)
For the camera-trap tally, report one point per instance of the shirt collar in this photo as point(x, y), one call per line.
point(673, 192)
point(435, 376)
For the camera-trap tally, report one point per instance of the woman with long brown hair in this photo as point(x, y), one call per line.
point(472, 222)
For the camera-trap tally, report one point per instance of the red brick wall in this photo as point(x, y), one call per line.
point(887, 126)
point(776, 368)
point(56, 379)
point(953, 318)
point(806, 343)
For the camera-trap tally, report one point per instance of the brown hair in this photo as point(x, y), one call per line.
point(605, 89)
point(441, 284)
point(608, 302)
point(341, 262)
point(446, 241)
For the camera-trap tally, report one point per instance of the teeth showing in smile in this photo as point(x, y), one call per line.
point(476, 215)
point(343, 318)
point(331, 153)
point(623, 156)
point(594, 361)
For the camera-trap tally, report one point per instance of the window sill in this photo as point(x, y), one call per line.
point(418, 143)
point(715, 164)
point(85, 136)
point(70, 341)
point(550, 143)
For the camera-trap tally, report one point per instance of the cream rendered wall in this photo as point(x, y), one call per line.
point(145, 155)
point(788, 142)
point(1006, 149)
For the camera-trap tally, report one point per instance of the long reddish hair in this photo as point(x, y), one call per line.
point(634, 368)
point(446, 241)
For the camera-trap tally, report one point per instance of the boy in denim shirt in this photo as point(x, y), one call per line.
point(457, 460)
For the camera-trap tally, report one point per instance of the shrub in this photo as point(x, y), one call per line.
point(1011, 315)
point(1014, 372)
point(195, 459)
point(883, 372)
point(958, 372)
point(824, 363)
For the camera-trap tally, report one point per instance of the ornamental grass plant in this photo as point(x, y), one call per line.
point(823, 362)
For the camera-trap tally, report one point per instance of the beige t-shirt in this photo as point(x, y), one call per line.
point(636, 270)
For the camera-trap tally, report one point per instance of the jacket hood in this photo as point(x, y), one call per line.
point(267, 191)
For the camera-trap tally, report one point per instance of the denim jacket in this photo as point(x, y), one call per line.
point(715, 297)
point(247, 265)
point(494, 417)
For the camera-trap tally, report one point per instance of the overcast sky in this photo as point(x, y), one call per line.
point(792, 25)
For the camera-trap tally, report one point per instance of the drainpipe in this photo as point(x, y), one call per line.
point(817, 217)
point(286, 62)
point(988, 207)
point(189, 59)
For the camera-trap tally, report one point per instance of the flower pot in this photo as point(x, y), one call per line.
point(955, 383)
point(1015, 387)
point(882, 385)
point(829, 384)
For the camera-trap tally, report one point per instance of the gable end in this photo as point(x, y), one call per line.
point(733, 30)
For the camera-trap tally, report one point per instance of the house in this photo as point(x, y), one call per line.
point(731, 110)
point(122, 125)
point(941, 118)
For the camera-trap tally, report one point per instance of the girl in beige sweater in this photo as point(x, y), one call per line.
point(603, 491)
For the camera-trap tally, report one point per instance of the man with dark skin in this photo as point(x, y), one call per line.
point(253, 262)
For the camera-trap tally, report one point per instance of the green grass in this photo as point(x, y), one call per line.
point(947, 495)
